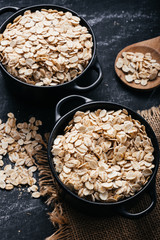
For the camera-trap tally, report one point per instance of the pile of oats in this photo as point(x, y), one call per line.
point(103, 156)
point(138, 67)
point(21, 142)
point(46, 48)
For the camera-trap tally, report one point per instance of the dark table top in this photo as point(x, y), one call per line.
point(116, 24)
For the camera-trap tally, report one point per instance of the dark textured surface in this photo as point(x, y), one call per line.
point(116, 24)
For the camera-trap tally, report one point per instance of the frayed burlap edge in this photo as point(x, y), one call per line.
point(152, 116)
point(50, 189)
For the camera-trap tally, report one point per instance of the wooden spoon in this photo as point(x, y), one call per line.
point(152, 46)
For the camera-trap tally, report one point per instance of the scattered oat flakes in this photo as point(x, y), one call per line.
point(21, 142)
point(2, 184)
point(34, 188)
point(1, 163)
point(138, 67)
point(36, 194)
point(46, 47)
point(9, 186)
point(103, 156)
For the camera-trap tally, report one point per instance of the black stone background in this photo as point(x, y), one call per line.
point(116, 24)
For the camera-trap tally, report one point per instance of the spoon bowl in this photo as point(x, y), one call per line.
point(149, 46)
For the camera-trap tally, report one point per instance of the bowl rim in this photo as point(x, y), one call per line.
point(139, 118)
point(61, 8)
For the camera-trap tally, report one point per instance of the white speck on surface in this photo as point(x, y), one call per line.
point(6, 217)
point(109, 41)
point(97, 18)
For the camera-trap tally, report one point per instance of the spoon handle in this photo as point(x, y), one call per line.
point(152, 43)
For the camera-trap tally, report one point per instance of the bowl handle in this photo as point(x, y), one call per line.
point(65, 100)
point(153, 196)
point(8, 9)
point(96, 67)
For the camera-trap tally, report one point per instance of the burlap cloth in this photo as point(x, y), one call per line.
point(72, 224)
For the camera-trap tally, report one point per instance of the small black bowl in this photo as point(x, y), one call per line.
point(26, 89)
point(98, 207)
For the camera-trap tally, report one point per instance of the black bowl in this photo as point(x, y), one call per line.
point(97, 207)
point(26, 89)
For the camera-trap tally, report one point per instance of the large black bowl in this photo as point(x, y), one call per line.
point(43, 91)
point(97, 207)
